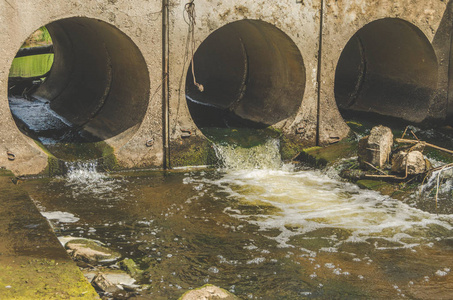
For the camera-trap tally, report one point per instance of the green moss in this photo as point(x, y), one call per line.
point(80, 151)
point(43, 279)
point(131, 268)
point(358, 127)
point(243, 137)
point(109, 161)
point(322, 156)
point(6, 173)
point(196, 152)
point(289, 147)
point(438, 155)
point(55, 166)
point(394, 190)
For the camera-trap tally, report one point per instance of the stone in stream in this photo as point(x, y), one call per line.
point(415, 161)
point(101, 283)
point(130, 267)
point(375, 148)
point(90, 251)
point(208, 292)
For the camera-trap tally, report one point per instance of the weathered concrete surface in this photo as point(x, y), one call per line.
point(343, 19)
point(33, 264)
point(139, 21)
point(138, 25)
point(300, 22)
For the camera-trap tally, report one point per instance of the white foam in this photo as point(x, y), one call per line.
point(60, 216)
point(84, 179)
point(311, 200)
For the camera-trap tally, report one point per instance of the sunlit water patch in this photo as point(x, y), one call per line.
point(299, 203)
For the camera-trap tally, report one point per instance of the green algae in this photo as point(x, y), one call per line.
point(243, 137)
point(31, 278)
point(6, 173)
point(196, 152)
point(131, 268)
point(33, 264)
point(395, 190)
point(322, 156)
point(290, 147)
point(57, 155)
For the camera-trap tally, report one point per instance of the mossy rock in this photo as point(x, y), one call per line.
point(322, 156)
point(130, 267)
point(290, 147)
point(394, 190)
point(91, 251)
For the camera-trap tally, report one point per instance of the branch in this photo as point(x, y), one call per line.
point(406, 141)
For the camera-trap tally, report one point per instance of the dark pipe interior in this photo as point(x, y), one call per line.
point(388, 68)
point(99, 80)
point(252, 73)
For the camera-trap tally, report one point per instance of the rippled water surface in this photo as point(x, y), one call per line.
point(261, 231)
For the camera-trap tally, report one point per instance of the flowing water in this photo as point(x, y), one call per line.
point(256, 227)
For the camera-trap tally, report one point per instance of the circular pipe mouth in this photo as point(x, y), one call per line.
point(387, 68)
point(252, 74)
point(97, 88)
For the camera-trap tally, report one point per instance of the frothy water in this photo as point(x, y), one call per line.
point(302, 202)
point(306, 201)
point(265, 156)
point(84, 179)
point(440, 182)
point(257, 227)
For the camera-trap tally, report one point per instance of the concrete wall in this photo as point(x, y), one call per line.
point(138, 20)
point(300, 22)
point(420, 19)
point(141, 22)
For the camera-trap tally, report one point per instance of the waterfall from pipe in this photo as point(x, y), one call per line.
point(264, 156)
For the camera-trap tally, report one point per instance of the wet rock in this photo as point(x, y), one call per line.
point(90, 251)
point(416, 163)
point(130, 267)
point(208, 292)
point(101, 283)
point(375, 148)
point(117, 277)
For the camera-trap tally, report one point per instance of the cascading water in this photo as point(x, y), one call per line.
point(307, 201)
point(83, 178)
point(258, 228)
point(264, 156)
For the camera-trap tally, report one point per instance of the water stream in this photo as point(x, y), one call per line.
point(256, 227)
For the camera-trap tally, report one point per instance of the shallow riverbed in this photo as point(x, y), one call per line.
point(261, 231)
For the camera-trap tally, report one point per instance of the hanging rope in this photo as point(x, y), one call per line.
point(189, 8)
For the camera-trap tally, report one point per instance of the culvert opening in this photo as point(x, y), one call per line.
point(96, 89)
point(253, 76)
point(388, 68)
